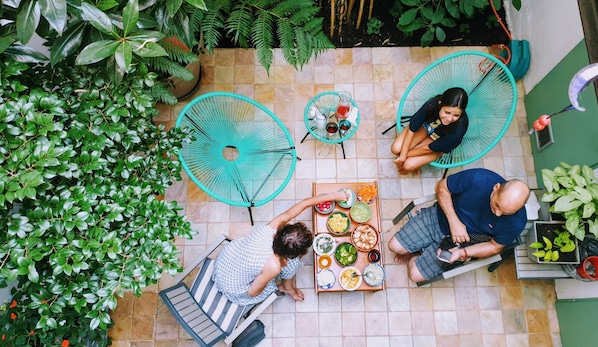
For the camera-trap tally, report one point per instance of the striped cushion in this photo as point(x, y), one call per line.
point(225, 313)
point(186, 310)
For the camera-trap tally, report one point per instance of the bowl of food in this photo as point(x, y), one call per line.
point(324, 261)
point(350, 278)
point(345, 254)
point(352, 198)
point(338, 223)
point(364, 237)
point(374, 275)
point(324, 207)
point(367, 193)
point(324, 244)
point(325, 279)
point(361, 212)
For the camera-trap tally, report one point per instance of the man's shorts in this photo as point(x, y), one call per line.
point(422, 232)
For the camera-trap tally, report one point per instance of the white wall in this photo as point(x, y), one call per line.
point(552, 27)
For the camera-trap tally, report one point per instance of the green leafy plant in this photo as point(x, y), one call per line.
point(293, 23)
point(81, 163)
point(374, 26)
point(431, 18)
point(573, 193)
point(551, 250)
point(118, 35)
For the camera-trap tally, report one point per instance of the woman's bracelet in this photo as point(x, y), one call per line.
point(464, 251)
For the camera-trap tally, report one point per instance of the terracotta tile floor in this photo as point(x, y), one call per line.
point(478, 308)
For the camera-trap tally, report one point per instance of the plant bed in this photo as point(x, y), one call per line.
point(543, 231)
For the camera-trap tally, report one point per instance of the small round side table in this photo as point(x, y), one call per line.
point(325, 103)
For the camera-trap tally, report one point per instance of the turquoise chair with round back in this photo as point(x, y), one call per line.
point(241, 153)
point(492, 101)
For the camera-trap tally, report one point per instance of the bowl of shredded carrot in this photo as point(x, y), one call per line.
point(367, 193)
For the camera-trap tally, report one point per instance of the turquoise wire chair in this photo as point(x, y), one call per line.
point(492, 101)
point(241, 154)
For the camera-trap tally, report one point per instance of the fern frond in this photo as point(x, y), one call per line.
point(239, 24)
point(286, 38)
point(303, 15)
point(213, 21)
point(261, 36)
point(313, 26)
point(178, 53)
point(304, 48)
point(159, 92)
point(170, 67)
point(287, 7)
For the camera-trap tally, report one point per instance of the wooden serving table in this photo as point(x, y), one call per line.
point(319, 225)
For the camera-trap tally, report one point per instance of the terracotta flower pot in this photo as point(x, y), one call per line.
point(587, 269)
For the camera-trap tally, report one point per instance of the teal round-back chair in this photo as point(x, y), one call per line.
point(241, 154)
point(492, 101)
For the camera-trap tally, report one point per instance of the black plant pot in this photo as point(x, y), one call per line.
point(548, 229)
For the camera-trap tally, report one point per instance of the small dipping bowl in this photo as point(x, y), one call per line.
point(374, 256)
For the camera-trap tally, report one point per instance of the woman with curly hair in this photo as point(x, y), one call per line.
point(248, 270)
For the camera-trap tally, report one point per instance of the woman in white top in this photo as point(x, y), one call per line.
point(248, 270)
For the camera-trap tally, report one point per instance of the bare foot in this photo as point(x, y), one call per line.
point(404, 258)
point(398, 163)
point(293, 292)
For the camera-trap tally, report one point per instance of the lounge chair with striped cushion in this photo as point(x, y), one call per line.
point(205, 313)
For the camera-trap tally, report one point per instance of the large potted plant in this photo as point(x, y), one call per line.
point(164, 34)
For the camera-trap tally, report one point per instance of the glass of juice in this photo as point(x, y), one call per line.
point(344, 105)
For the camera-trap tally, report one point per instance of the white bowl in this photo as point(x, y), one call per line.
point(347, 281)
point(325, 279)
point(374, 275)
point(322, 240)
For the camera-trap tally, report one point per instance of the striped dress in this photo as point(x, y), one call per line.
point(242, 260)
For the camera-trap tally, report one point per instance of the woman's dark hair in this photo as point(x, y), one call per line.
point(292, 240)
point(452, 97)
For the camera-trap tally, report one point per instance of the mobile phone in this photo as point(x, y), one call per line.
point(445, 256)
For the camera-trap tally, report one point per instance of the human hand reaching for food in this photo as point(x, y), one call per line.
point(341, 195)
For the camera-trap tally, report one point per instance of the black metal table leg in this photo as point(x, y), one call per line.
point(304, 137)
point(387, 130)
point(343, 147)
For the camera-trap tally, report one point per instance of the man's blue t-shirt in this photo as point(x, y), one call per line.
point(471, 191)
point(445, 138)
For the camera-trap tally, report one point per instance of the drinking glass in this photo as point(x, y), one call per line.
point(344, 105)
point(344, 125)
point(331, 128)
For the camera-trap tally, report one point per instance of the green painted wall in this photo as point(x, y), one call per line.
point(575, 133)
point(577, 320)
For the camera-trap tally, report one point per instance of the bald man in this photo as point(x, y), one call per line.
point(472, 201)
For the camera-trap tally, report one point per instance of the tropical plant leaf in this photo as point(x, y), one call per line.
point(106, 4)
point(200, 4)
point(440, 34)
point(147, 49)
point(427, 38)
point(27, 20)
point(7, 40)
point(408, 17)
point(96, 51)
point(172, 6)
point(452, 8)
point(67, 44)
point(123, 56)
point(97, 18)
point(130, 17)
point(286, 37)
point(55, 13)
point(24, 54)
